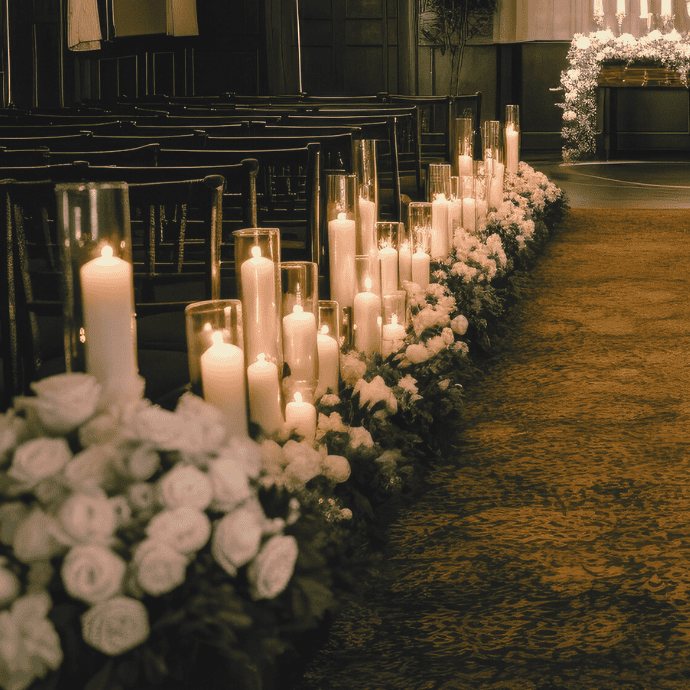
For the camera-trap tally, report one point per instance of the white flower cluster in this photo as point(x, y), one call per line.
point(579, 82)
point(477, 258)
point(72, 506)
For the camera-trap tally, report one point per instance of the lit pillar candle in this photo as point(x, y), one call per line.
point(469, 214)
point(405, 262)
point(329, 362)
point(665, 6)
point(223, 382)
point(439, 227)
point(392, 336)
point(388, 258)
point(454, 218)
point(421, 264)
point(644, 9)
point(299, 344)
point(620, 6)
point(496, 187)
point(301, 416)
point(465, 165)
point(367, 312)
point(342, 243)
point(482, 209)
point(512, 146)
point(259, 305)
point(264, 395)
point(108, 307)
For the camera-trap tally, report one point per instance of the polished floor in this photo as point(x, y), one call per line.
point(619, 184)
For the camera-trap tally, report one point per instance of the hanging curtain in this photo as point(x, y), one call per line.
point(181, 16)
point(83, 26)
point(558, 20)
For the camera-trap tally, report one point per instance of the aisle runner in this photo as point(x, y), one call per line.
point(554, 554)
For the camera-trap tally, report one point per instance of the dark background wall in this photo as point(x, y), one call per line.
point(347, 47)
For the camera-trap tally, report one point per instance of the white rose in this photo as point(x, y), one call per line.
point(159, 567)
point(139, 461)
point(247, 452)
point(92, 467)
point(236, 538)
point(63, 402)
point(270, 572)
point(208, 421)
point(459, 324)
point(185, 486)
point(336, 467)
point(184, 529)
point(88, 518)
point(116, 625)
point(416, 353)
point(141, 495)
point(38, 459)
point(92, 573)
point(123, 512)
point(435, 345)
point(36, 538)
point(272, 461)
point(12, 432)
point(9, 587)
point(102, 428)
point(230, 483)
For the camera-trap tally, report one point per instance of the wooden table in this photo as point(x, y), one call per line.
point(617, 76)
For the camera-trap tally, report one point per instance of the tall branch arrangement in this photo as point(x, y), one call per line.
point(452, 23)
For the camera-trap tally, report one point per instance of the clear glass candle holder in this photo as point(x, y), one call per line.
point(482, 183)
point(454, 208)
point(439, 192)
point(366, 313)
point(368, 194)
point(394, 322)
point(404, 253)
point(215, 351)
point(387, 242)
point(342, 215)
point(328, 345)
point(419, 223)
point(494, 165)
point(512, 138)
point(93, 222)
point(299, 281)
point(463, 153)
point(257, 266)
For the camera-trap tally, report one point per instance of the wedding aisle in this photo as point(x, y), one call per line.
point(553, 553)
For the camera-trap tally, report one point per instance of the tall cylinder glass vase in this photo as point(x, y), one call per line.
point(215, 351)
point(512, 138)
point(100, 331)
point(342, 215)
point(299, 284)
point(439, 192)
point(493, 155)
point(463, 147)
point(404, 253)
point(328, 344)
point(257, 267)
point(366, 310)
point(419, 225)
point(387, 235)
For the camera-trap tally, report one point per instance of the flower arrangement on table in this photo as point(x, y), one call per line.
point(586, 56)
point(141, 549)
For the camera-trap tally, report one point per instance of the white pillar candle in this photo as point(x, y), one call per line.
point(299, 344)
point(301, 416)
point(223, 382)
point(469, 214)
point(405, 262)
point(512, 149)
point(264, 395)
point(367, 225)
point(367, 312)
point(388, 260)
point(108, 306)
point(329, 362)
point(341, 256)
point(465, 165)
point(665, 6)
point(620, 6)
point(439, 228)
point(598, 7)
point(644, 9)
point(454, 219)
point(258, 276)
point(482, 209)
point(392, 336)
point(421, 265)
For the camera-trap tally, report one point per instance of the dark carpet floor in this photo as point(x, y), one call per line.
point(554, 553)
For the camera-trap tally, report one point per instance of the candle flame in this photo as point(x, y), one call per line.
point(394, 319)
point(367, 283)
point(297, 309)
point(261, 357)
point(324, 329)
point(107, 252)
point(342, 216)
point(298, 397)
point(217, 338)
point(256, 251)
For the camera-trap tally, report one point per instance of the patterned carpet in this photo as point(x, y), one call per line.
point(554, 554)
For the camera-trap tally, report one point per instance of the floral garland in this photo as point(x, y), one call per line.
point(579, 82)
point(138, 547)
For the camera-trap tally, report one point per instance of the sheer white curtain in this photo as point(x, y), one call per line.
point(559, 20)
